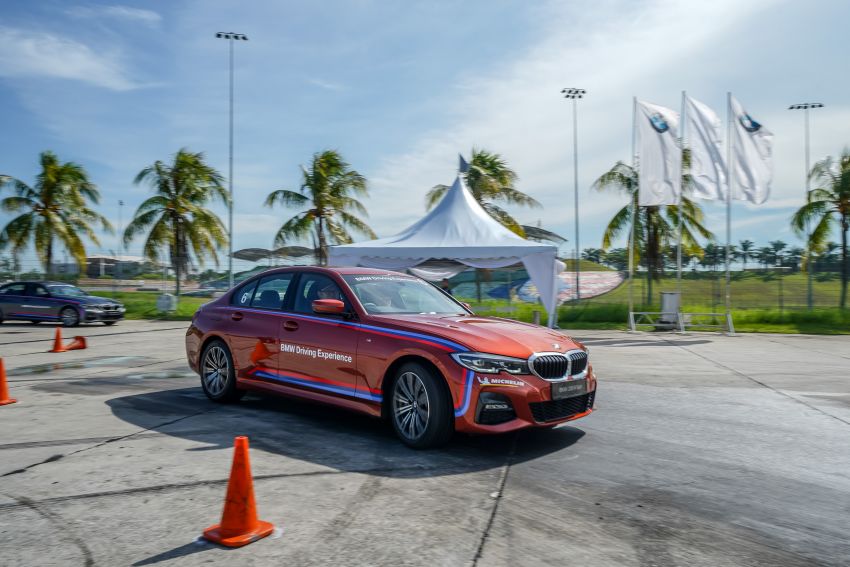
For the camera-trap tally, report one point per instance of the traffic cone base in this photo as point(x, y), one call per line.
point(78, 344)
point(239, 523)
point(4, 390)
point(214, 534)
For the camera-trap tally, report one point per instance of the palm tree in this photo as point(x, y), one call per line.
point(328, 189)
point(766, 256)
point(593, 254)
point(176, 215)
point(826, 205)
point(490, 180)
point(655, 227)
point(745, 251)
point(777, 246)
point(54, 210)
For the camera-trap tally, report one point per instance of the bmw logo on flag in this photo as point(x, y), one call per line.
point(748, 123)
point(658, 123)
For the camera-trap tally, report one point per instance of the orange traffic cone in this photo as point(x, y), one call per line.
point(79, 343)
point(239, 524)
point(4, 391)
point(57, 341)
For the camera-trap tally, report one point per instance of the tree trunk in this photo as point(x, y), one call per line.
point(323, 251)
point(176, 260)
point(845, 225)
point(48, 268)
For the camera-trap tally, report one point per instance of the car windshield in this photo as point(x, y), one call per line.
point(65, 290)
point(400, 294)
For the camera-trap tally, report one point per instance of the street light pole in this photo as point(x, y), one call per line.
point(574, 95)
point(230, 37)
point(120, 236)
point(805, 107)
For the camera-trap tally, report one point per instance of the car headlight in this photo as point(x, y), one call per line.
point(491, 363)
point(94, 309)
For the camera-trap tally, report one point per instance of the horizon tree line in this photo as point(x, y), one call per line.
point(58, 210)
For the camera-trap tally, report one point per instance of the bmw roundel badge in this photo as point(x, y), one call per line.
point(658, 123)
point(748, 123)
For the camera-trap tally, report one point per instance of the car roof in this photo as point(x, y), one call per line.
point(343, 271)
point(45, 282)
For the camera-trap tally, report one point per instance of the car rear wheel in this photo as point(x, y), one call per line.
point(69, 317)
point(218, 376)
point(420, 407)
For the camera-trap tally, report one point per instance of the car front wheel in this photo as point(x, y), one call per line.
point(69, 317)
point(218, 375)
point(421, 407)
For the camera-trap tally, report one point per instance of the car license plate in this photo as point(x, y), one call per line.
point(569, 389)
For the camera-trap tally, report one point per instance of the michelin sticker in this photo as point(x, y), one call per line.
point(316, 353)
point(487, 381)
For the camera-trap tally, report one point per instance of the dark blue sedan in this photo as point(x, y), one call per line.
point(56, 302)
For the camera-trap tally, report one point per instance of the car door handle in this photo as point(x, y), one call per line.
point(236, 316)
point(290, 326)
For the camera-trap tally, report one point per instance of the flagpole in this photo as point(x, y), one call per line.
point(682, 122)
point(729, 174)
point(631, 239)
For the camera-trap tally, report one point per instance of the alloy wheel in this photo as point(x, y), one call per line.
point(69, 317)
point(411, 407)
point(216, 370)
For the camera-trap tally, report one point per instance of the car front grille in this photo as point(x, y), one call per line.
point(109, 307)
point(560, 409)
point(578, 362)
point(551, 366)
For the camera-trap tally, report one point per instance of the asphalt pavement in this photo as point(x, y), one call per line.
point(705, 450)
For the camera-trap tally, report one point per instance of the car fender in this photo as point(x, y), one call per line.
point(454, 376)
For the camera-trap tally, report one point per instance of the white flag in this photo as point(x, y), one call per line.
point(660, 155)
point(708, 168)
point(752, 157)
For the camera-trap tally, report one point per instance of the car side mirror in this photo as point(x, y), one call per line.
point(329, 306)
point(467, 305)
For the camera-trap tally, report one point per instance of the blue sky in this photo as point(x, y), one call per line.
point(400, 88)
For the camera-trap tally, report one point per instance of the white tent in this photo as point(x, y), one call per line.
point(458, 229)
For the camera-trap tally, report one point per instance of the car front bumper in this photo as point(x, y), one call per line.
point(104, 315)
point(529, 398)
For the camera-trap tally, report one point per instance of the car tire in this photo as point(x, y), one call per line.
point(69, 317)
point(420, 407)
point(109, 323)
point(218, 375)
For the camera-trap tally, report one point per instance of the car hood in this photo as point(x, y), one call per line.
point(484, 334)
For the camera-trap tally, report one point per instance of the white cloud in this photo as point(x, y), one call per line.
point(127, 13)
point(38, 54)
point(613, 51)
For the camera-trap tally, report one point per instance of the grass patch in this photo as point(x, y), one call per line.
point(585, 315)
point(142, 305)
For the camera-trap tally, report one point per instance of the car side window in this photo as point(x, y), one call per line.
point(38, 290)
point(14, 289)
point(242, 296)
point(316, 286)
point(271, 291)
